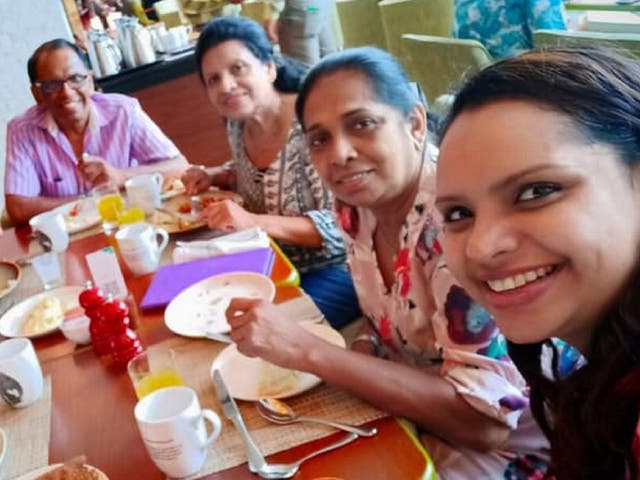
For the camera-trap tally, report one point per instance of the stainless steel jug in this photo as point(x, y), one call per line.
point(104, 54)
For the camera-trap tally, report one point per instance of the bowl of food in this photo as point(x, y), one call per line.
point(76, 329)
point(10, 275)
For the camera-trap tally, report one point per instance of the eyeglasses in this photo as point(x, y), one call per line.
point(75, 81)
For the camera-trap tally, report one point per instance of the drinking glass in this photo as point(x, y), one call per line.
point(150, 371)
point(48, 267)
point(109, 204)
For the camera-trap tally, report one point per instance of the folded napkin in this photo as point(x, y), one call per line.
point(235, 242)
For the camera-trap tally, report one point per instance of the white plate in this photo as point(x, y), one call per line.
point(79, 215)
point(11, 322)
point(32, 475)
point(201, 307)
point(241, 374)
point(3, 445)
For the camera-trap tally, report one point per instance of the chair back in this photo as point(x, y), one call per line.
point(360, 23)
point(440, 64)
point(425, 17)
point(627, 43)
point(258, 10)
point(170, 12)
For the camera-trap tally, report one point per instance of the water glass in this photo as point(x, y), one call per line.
point(48, 267)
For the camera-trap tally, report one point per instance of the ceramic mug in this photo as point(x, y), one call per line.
point(144, 190)
point(51, 224)
point(141, 246)
point(171, 423)
point(21, 379)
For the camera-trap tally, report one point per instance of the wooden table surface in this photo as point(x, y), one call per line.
point(92, 407)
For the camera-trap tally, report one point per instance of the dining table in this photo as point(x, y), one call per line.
point(92, 405)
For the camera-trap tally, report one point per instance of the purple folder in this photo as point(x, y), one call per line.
point(170, 280)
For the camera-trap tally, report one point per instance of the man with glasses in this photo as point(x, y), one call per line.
point(76, 138)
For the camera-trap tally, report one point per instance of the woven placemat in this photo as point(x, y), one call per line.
point(194, 359)
point(27, 430)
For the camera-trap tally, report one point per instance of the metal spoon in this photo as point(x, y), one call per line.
point(277, 411)
point(288, 470)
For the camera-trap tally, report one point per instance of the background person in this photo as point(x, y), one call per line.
point(271, 169)
point(304, 29)
point(46, 164)
point(542, 229)
point(506, 27)
point(427, 353)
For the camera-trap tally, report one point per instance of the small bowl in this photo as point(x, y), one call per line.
point(76, 329)
point(10, 275)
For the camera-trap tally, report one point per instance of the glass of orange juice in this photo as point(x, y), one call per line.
point(153, 370)
point(131, 215)
point(109, 204)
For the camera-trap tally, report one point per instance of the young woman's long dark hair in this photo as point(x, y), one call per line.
point(590, 416)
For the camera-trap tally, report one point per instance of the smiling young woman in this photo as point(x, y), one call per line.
point(539, 186)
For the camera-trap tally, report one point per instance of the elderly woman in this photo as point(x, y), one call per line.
point(427, 353)
point(542, 228)
point(255, 92)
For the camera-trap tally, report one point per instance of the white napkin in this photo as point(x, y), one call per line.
point(235, 242)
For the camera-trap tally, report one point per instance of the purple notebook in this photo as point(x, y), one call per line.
point(170, 280)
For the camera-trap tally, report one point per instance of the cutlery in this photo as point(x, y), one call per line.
point(230, 409)
point(279, 412)
point(288, 470)
point(256, 461)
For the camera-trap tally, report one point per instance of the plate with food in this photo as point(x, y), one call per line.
point(62, 471)
point(200, 308)
point(10, 275)
point(180, 213)
point(251, 378)
point(172, 188)
point(40, 314)
point(80, 214)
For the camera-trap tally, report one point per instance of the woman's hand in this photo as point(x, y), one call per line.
point(259, 329)
point(228, 216)
point(196, 180)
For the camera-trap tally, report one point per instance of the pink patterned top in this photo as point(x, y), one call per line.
point(427, 320)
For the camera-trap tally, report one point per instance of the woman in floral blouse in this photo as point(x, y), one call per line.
point(282, 192)
point(427, 352)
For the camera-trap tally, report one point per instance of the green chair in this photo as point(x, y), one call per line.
point(626, 42)
point(360, 23)
point(257, 11)
point(425, 17)
point(440, 64)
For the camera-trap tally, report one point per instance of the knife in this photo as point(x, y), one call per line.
point(231, 411)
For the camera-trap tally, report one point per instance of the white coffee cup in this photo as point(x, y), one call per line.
point(144, 190)
point(171, 423)
point(141, 246)
point(52, 225)
point(21, 379)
